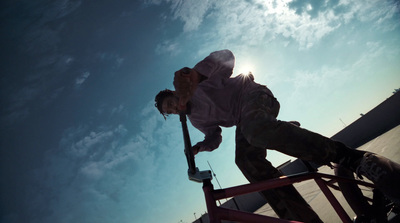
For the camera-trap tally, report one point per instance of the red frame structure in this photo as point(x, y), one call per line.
point(216, 213)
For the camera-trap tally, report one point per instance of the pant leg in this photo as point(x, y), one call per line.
point(285, 201)
point(261, 129)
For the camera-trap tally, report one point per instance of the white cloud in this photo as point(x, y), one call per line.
point(65, 7)
point(98, 153)
point(191, 12)
point(82, 147)
point(38, 40)
point(265, 21)
point(82, 78)
point(328, 81)
point(117, 110)
point(104, 167)
point(262, 21)
point(119, 61)
point(168, 47)
point(93, 170)
point(115, 59)
point(69, 60)
point(43, 78)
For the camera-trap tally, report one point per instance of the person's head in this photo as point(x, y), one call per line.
point(167, 103)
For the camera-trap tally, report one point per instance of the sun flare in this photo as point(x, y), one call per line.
point(245, 69)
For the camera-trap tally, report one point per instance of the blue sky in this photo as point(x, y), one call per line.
point(80, 138)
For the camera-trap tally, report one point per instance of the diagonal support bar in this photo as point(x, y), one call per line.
point(332, 199)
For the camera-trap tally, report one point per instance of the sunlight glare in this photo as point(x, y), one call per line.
point(245, 68)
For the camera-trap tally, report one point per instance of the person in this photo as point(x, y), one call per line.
point(212, 99)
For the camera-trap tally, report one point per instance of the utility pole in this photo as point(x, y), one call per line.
point(344, 124)
point(215, 176)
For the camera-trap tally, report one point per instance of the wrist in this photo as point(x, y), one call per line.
point(196, 149)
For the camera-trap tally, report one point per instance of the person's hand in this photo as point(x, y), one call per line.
point(185, 83)
point(195, 150)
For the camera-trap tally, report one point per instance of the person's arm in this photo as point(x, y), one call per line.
point(185, 83)
point(218, 64)
point(212, 140)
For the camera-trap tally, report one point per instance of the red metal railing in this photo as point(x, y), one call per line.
point(216, 213)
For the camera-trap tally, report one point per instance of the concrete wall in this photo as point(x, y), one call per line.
point(376, 122)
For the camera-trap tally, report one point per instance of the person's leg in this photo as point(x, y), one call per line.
point(263, 130)
point(384, 173)
point(285, 201)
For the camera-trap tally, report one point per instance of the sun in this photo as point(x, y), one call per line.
point(244, 68)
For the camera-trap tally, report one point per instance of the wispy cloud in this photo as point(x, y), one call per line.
point(328, 81)
point(117, 110)
point(39, 37)
point(106, 167)
point(82, 78)
point(115, 59)
point(168, 47)
point(17, 109)
point(43, 65)
point(192, 12)
point(305, 22)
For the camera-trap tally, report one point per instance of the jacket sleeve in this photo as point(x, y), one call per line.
point(219, 63)
point(212, 137)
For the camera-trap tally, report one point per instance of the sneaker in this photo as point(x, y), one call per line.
point(384, 173)
point(296, 123)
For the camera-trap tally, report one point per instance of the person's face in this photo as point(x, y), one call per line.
point(170, 105)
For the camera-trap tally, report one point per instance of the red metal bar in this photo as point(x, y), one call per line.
point(344, 179)
point(217, 214)
point(212, 208)
point(264, 185)
point(334, 202)
point(278, 182)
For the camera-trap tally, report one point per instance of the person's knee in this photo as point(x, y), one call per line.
point(256, 170)
point(245, 162)
point(257, 132)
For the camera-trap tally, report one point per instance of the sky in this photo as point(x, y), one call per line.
point(80, 138)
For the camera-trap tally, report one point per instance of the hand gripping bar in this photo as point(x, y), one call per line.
point(193, 171)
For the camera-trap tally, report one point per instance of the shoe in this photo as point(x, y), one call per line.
point(384, 173)
point(296, 123)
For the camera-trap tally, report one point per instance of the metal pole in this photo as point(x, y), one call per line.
point(188, 144)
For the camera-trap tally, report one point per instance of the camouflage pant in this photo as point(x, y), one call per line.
point(285, 201)
point(259, 129)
